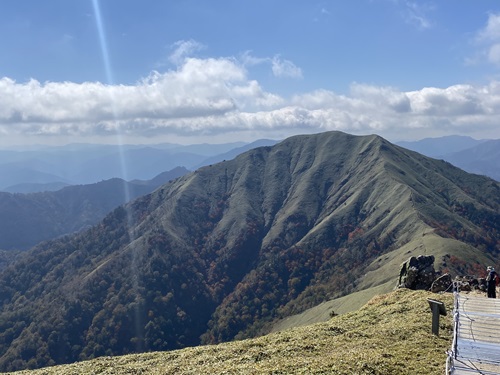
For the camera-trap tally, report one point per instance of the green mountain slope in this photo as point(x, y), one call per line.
point(224, 252)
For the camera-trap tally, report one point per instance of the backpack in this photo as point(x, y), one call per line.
point(492, 276)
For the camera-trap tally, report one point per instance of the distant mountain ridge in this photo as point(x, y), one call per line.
point(77, 164)
point(481, 159)
point(26, 188)
point(231, 154)
point(43, 168)
point(27, 219)
point(440, 146)
point(474, 156)
point(222, 252)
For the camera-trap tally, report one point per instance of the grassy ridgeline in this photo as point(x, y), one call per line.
point(389, 335)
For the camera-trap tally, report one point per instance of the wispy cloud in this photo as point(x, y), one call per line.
point(491, 32)
point(183, 49)
point(415, 13)
point(488, 41)
point(281, 68)
point(324, 11)
point(248, 59)
point(321, 12)
point(418, 14)
point(285, 68)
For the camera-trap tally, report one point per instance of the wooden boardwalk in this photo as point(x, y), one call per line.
point(476, 342)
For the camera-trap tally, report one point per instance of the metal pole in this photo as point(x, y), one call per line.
point(435, 319)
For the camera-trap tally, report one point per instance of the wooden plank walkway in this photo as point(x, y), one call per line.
point(476, 343)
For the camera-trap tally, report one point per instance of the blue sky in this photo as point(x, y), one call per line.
point(148, 71)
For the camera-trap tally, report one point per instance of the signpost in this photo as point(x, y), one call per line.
point(437, 308)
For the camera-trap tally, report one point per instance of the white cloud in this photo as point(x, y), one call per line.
point(247, 59)
point(285, 68)
point(491, 32)
point(199, 88)
point(280, 68)
point(494, 54)
point(487, 40)
point(418, 14)
point(426, 112)
point(217, 96)
point(183, 49)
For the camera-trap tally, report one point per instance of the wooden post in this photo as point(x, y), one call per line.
point(437, 308)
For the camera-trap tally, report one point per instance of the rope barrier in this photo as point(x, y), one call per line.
point(463, 362)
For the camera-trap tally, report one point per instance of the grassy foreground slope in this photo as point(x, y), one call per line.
point(391, 334)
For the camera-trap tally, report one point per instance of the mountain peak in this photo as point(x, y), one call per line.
point(240, 243)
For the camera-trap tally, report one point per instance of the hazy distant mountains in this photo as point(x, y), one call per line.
point(481, 159)
point(50, 168)
point(47, 210)
point(27, 219)
point(42, 168)
point(474, 156)
point(223, 251)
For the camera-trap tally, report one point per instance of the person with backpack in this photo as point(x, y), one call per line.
point(491, 282)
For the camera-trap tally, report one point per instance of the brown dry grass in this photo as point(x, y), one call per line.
point(389, 335)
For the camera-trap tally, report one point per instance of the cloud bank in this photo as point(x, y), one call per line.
point(215, 97)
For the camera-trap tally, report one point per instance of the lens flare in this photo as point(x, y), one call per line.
point(102, 41)
point(109, 76)
point(139, 321)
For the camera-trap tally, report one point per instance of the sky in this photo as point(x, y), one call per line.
point(198, 71)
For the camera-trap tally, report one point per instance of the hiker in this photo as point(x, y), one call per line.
point(491, 282)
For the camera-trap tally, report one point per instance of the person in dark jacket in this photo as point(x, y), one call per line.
point(491, 282)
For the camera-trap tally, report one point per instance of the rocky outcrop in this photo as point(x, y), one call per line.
point(417, 273)
point(443, 283)
point(468, 283)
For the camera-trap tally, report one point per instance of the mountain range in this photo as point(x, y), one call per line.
point(44, 168)
point(471, 155)
point(28, 219)
point(226, 251)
